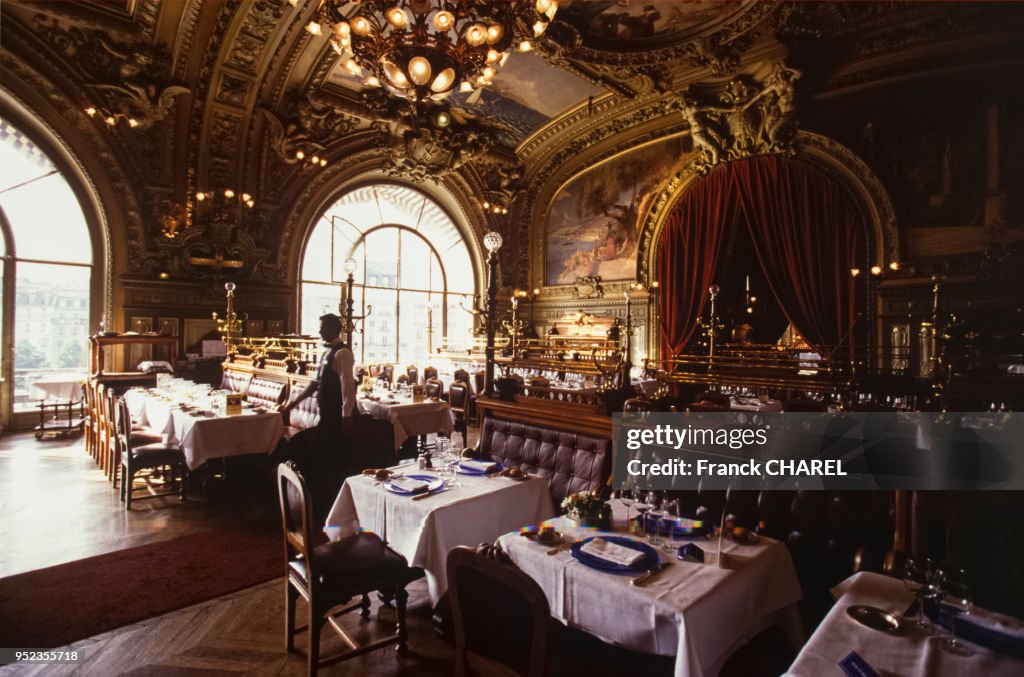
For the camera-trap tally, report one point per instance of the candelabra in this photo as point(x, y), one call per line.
point(478, 312)
point(230, 325)
point(713, 325)
point(515, 327)
point(346, 308)
point(492, 241)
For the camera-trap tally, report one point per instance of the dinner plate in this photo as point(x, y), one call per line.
point(874, 618)
point(434, 483)
point(649, 559)
point(469, 471)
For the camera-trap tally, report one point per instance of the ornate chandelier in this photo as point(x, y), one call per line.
point(423, 50)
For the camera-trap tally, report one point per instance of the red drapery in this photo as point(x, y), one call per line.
point(806, 233)
point(688, 253)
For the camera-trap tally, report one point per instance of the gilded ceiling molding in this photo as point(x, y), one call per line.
point(835, 159)
point(717, 50)
point(182, 47)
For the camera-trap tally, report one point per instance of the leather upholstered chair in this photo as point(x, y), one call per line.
point(136, 457)
point(458, 401)
point(265, 392)
point(413, 372)
point(500, 616)
point(435, 388)
point(388, 373)
point(429, 373)
point(329, 575)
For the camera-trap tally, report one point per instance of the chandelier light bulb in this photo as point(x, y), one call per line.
point(360, 26)
point(371, 81)
point(314, 28)
point(525, 46)
point(443, 21)
point(395, 75)
point(465, 87)
point(494, 33)
point(342, 30)
point(493, 55)
point(397, 17)
point(300, 154)
point(352, 67)
point(444, 80)
point(111, 120)
point(894, 265)
point(200, 196)
point(246, 197)
point(90, 111)
point(854, 272)
point(132, 122)
point(489, 72)
point(476, 35)
point(543, 6)
point(419, 70)
point(487, 205)
point(876, 270)
point(539, 28)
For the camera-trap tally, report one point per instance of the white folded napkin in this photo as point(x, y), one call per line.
point(478, 466)
point(409, 485)
point(612, 552)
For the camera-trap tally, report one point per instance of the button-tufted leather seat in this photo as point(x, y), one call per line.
point(306, 414)
point(265, 392)
point(235, 381)
point(571, 462)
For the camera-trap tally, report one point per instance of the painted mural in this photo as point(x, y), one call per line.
point(594, 222)
point(616, 21)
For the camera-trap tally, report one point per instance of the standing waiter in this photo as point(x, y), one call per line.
point(320, 451)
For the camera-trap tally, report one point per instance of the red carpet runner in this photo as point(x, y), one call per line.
point(61, 604)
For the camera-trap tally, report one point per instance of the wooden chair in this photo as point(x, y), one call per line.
point(136, 457)
point(500, 615)
point(374, 371)
point(102, 431)
point(91, 422)
point(140, 435)
point(413, 372)
point(435, 388)
point(388, 373)
point(429, 373)
point(458, 401)
point(330, 575)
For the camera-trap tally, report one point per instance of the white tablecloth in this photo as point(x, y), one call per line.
point(204, 438)
point(699, 613)
point(63, 388)
point(425, 531)
point(908, 653)
point(408, 419)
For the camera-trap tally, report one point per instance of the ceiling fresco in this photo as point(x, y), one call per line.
point(639, 24)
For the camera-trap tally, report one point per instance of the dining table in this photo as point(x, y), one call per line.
point(698, 612)
point(754, 404)
point(62, 388)
point(903, 650)
point(408, 417)
point(205, 434)
point(468, 510)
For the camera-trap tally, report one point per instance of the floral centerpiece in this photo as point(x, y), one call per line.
point(587, 508)
point(366, 386)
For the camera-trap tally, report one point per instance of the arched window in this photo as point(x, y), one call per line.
point(412, 268)
point(48, 251)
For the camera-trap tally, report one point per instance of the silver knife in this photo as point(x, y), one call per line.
point(650, 573)
point(430, 493)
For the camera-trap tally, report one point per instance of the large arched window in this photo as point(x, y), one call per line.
point(412, 267)
point(48, 251)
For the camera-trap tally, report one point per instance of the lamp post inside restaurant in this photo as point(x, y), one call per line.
point(348, 316)
point(492, 242)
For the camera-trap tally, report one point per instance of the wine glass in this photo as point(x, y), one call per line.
point(917, 577)
point(654, 515)
point(642, 506)
point(953, 590)
point(671, 509)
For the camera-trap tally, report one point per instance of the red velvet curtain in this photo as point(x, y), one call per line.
point(807, 237)
point(688, 253)
point(806, 234)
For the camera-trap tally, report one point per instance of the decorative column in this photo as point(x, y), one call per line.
point(492, 242)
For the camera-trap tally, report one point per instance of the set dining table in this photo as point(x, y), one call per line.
point(903, 650)
point(467, 510)
point(205, 433)
point(699, 612)
point(408, 418)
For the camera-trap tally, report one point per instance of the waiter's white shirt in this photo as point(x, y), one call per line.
point(344, 365)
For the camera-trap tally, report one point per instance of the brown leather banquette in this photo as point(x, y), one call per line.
point(266, 392)
point(572, 452)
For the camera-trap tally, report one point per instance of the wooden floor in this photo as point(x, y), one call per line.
point(58, 507)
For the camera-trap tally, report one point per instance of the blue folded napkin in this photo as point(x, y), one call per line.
point(999, 633)
point(478, 466)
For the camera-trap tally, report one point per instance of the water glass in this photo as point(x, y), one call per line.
point(953, 590)
point(918, 577)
